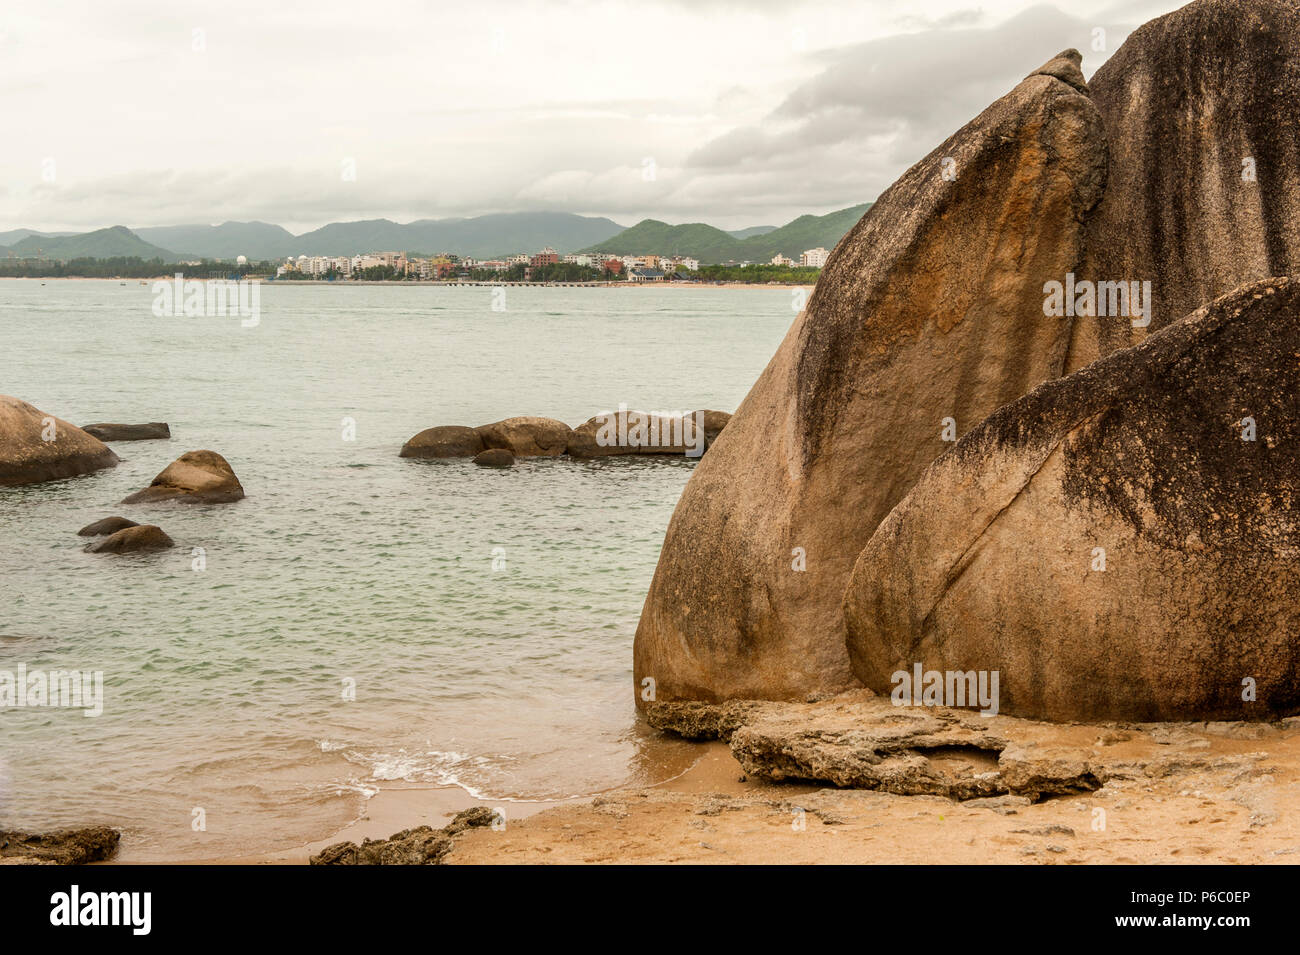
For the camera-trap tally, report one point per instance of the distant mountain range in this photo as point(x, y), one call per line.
point(481, 237)
point(100, 244)
point(711, 245)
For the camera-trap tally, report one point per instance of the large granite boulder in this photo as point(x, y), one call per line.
point(129, 540)
point(444, 441)
point(1120, 544)
point(526, 436)
point(196, 477)
point(154, 430)
point(1203, 192)
point(927, 318)
point(36, 447)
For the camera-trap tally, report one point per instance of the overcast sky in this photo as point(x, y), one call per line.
point(734, 113)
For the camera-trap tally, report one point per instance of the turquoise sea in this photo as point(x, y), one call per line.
point(484, 617)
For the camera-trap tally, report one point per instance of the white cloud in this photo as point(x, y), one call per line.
point(751, 112)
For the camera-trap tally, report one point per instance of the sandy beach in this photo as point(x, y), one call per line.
point(1179, 793)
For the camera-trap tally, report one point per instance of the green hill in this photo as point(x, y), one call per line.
point(107, 243)
point(711, 245)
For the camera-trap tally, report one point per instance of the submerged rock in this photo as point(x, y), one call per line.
point(129, 432)
point(198, 477)
point(139, 537)
point(36, 447)
point(1121, 544)
point(927, 318)
point(423, 845)
point(61, 847)
point(495, 458)
point(527, 436)
point(444, 441)
point(107, 525)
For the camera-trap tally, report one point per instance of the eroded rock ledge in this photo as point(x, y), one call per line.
point(858, 740)
point(61, 847)
point(422, 845)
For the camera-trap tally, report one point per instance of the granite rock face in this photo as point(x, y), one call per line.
point(1203, 189)
point(1120, 544)
point(928, 314)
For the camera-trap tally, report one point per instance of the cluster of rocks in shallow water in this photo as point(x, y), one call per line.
point(37, 447)
point(610, 434)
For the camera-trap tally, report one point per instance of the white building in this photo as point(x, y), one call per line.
point(780, 259)
point(815, 257)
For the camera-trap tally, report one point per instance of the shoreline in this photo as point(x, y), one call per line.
point(294, 282)
point(1174, 793)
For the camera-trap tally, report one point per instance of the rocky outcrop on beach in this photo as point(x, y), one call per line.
point(107, 525)
point(128, 540)
point(527, 436)
point(926, 319)
point(1203, 191)
point(61, 847)
point(197, 477)
point(422, 845)
point(155, 430)
point(495, 458)
point(37, 447)
point(1119, 544)
point(444, 441)
point(1139, 197)
point(857, 740)
point(1074, 793)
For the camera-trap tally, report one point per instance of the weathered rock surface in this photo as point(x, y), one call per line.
point(929, 309)
point(27, 458)
point(527, 436)
point(1110, 543)
point(107, 525)
point(445, 441)
point(129, 432)
point(637, 432)
point(495, 458)
point(1186, 101)
point(61, 847)
point(198, 477)
point(858, 740)
point(141, 537)
point(423, 845)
